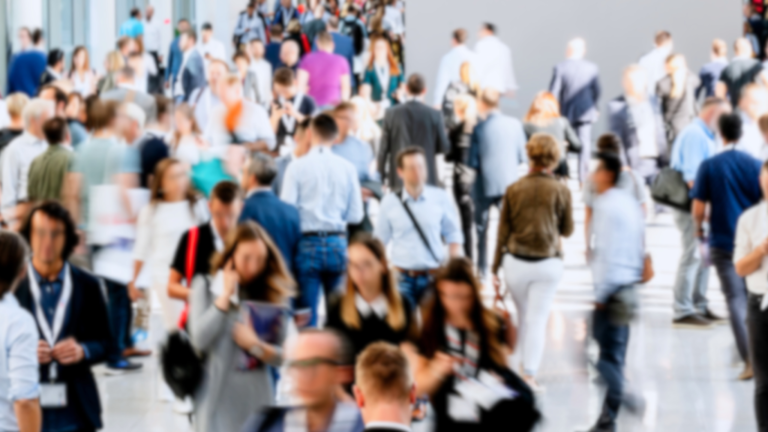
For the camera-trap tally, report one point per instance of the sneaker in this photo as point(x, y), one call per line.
point(122, 367)
point(694, 321)
point(182, 406)
point(715, 319)
point(747, 374)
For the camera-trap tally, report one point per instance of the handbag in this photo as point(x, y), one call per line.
point(622, 305)
point(669, 188)
point(648, 272)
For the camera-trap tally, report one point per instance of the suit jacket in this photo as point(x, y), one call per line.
point(272, 55)
point(175, 57)
point(87, 321)
point(496, 151)
point(145, 101)
point(621, 123)
point(193, 75)
point(279, 219)
point(411, 123)
point(576, 85)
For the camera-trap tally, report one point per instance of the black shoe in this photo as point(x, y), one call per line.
point(712, 317)
point(602, 428)
point(693, 321)
point(122, 366)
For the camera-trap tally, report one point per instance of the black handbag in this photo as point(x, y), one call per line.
point(182, 368)
point(669, 188)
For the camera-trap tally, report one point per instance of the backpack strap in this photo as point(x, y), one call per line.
point(192, 241)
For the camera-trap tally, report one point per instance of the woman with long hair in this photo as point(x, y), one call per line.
point(466, 85)
point(186, 142)
point(80, 73)
point(677, 95)
point(371, 308)
point(535, 215)
point(544, 117)
point(460, 138)
point(461, 339)
point(383, 74)
point(236, 382)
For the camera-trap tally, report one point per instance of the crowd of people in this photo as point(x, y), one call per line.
point(237, 194)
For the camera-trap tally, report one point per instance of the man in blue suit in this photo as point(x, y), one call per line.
point(496, 152)
point(343, 45)
point(71, 315)
point(272, 50)
point(279, 219)
point(27, 67)
point(191, 74)
point(175, 55)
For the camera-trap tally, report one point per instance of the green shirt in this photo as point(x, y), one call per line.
point(46, 174)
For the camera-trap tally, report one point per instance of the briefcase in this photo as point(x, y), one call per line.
point(670, 189)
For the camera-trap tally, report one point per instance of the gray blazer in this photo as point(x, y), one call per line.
point(193, 75)
point(496, 152)
point(145, 101)
point(227, 396)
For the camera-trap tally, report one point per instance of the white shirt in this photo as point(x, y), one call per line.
point(205, 102)
point(751, 139)
point(387, 425)
point(378, 306)
point(19, 373)
point(449, 68)
point(83, 85)
point(253, 126)
point(16, 159)
point(218, 242)
point(263, 70)
point(393, 19)
point(654, 64)
point(494, 64)
point(152, 35)
point(214, 48)
point(751, 231)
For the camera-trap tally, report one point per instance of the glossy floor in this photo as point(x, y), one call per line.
point(688, 377)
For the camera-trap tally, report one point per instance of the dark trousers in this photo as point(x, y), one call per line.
point(735, 291)
point(321, 262)
point(757, 322)
point(462, 192)
point(482, 211)
point(584, 132)
point(613, 341)
point(120, 317)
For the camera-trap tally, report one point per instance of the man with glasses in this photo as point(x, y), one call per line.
point(316, 369)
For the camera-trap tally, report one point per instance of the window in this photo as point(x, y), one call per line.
point(66, 24)
point(184, 9)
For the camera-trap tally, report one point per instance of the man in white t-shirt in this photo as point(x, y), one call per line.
point(210, 48)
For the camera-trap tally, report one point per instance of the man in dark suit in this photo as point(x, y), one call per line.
point(175, 55)
point(384, 390)
point(192, 71)
point(576, 85)
point(272, 50)
point(709, 74)
point(279, 219)
point(71, 314)
point(411, 123)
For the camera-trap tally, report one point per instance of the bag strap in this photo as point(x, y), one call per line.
point(417, 226)
point(192, 241)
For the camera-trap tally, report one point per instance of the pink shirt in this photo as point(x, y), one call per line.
point(325, 71)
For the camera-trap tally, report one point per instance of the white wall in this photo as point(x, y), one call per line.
point(617, 32)
point(103, 32)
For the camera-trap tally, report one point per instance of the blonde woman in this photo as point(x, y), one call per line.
point(466, 85)
point(82, 77)
point(544, 117)
point(677, 95)
point(371, 308)
point(112, 64)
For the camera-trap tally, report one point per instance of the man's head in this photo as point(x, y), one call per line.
point(13, 260)
point(719, 49)
point(131, 120)
point(256, 49)
point(251, 7)
point(25, 38)
point(242, 63)
point(754, 101)
point(149, 12)
point(56, 131)
point(37, 37)
point(217, 70)
point(324, 41)
point(303, 137)
point(333, 24)
point(412, 167)
point(543, 151)
point(285, 3)
point(136, 13)
point(383, 384)
point(488, 101)
point(663, 39)
point(289, 53)
point(163, 119)
point(101, 114)
point(276, 32)
point(609, 143)
point(225, 206)
point(50, 232)
point(712, 109)
point(345, 117)
point(324, 130)
point(187, 40)
point(261, 171)
point(37, 112)
point(206, 32)
point(576, 49)
point(57, 96)
point(459, 37)
point(316, 362)
point(56, 60)
point(126, 46)
point(126, 76)
point(607, 172)
point(743, 48)
point(230, 90)
point(183, 25)
point(730, 128)
point(15, 103)
point(487, 29)
point(284, 83)
point(416, 86)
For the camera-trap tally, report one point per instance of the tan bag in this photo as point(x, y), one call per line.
point(510, 333)
point(647, 269)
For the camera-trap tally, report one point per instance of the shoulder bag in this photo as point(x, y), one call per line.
point(669, 188)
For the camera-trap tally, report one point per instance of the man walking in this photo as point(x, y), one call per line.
point(191, 74)
point(494, 62)
point(450, 65)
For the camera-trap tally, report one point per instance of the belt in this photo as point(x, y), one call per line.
point(324, 234)
point(416, 273)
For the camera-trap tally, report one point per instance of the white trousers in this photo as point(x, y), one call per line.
point(533, 285)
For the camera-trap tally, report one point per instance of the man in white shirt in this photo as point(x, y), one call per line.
point(751, 261)
point(494, 62)
point(209, 47)
point(263, 70)
point(18, 156)
point(152, 35)
point(654, 62)
point(450, 64)
point(206, 99)
point(752, 105)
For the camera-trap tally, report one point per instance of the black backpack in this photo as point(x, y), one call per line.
point(182, 368)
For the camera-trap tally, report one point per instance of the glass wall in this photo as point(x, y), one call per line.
point(66, 24)
point(184, 9)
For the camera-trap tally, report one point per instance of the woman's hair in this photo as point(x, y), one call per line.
point(86, 64)
point(609, 142)
point(486, 324)
point(394, 68)
point(280, 284)
point(543, 150)
point(13, 256)
point(544, 109)
point(468, 77)
point(114, 61)
point(468, 105)
point(189, 113)
point(294, 26)
point(15, 102)
point(395, 310)
point(156, 187)
point(678, 73)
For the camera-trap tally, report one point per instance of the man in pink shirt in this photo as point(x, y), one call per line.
point(324, 75)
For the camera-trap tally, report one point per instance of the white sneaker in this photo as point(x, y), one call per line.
point(182, 406)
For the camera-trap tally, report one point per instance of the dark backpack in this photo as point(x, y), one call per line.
point(354, 31)
point(182, 368)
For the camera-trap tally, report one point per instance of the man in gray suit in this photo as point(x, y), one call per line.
point(496, 152)
point(192, 71)
point(126, 92)
point(411, 123)
point(576, 85)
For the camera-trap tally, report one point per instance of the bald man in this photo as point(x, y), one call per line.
point(743, 70)
point(576, 85)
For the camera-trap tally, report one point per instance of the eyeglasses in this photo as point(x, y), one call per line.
point(308, 368)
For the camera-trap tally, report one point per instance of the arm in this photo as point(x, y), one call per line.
point(175, 289)
point(699, 213)
point(346, 87)
point(442, 146)
point(264, 132)
point(24, 375)
point(383, 228)
point(566, 215)
point(556, 84)
point(384, 149)
point(127, 181)
point(9, 180)
point(289, 190)
point(142, 249)
point(207, 320)
point(355, 211)
point(29, 416)
point(596, 89)
point(571, 137)
point(302, 78)
point(451, 227)
point(588, 229)
point(721, 90)
point(71, 194)
point(747, 257)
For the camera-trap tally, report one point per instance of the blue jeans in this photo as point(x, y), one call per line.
point(120, 316)
point(413, 287)
point(735, 291)
point(321, 261)
point(613, 341)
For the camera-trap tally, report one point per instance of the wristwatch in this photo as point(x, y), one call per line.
point(256, 351)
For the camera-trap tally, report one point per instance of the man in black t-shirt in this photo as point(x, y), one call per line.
point(742, 70)
point(225, 206)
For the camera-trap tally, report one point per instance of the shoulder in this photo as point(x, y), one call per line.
point(83, 278)
point(752, 214)
point(390, 199)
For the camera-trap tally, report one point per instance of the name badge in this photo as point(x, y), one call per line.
point(53, 395)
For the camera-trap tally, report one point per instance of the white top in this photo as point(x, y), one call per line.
point(214, 48)
point(205, 102)
point(751, 230)
point(654, 65)
point(253, 126)
point(85, 85)
point(450, 66)
point(752, 140)
point(152, 35)
point(178, 88)
point(16, 159)
point(159, 230)
point(19, 373)
point(187, 151)
point(378, 306)
point(387, 425)
point(393, 19)
point(263, 70)
point(494, 64)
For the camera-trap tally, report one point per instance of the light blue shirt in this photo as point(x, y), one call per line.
point(618, 230)
point(358, 154)
point(694, 145)
point(132, 28)
point(325, 189)
point(438, 219)
point(19, 373)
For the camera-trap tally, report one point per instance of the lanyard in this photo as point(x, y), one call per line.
point(290, 122)
point(58, 317)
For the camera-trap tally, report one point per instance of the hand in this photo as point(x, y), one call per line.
point(599, 306)
point(43, 352)
point(367, 193)
point(231, 279)
point(442, 365)
point(302, 318)
point(289, 109)
point(68, 352)
point(133, 292)
point(496, 283)
point(764, 247)
point(244, 336)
